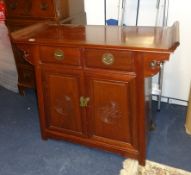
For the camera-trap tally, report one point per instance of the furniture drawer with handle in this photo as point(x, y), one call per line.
point(42, 8)
point(60, 55)
point(16, 8)
point(109, 59)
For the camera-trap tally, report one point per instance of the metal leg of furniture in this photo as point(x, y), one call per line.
point(21, 90)
point(160, 82)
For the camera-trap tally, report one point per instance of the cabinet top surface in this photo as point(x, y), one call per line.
point(164, 39)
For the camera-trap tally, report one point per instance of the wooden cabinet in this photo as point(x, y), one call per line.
point(107, 101)
point(92, 91)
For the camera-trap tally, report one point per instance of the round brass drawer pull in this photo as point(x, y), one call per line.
point(108, 59)
point(59, 55)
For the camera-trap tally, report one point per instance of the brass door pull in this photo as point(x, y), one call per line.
point(84, 101)
point(108, 59)
point(59, 55)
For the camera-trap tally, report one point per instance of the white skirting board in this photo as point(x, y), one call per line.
point(156, 91)
point(8, 71)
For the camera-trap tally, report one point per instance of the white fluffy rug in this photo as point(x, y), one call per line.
point(131, 167)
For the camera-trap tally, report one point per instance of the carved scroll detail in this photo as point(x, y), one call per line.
point(110, 112)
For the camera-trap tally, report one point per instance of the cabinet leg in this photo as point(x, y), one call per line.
point(44, 138)
point(21, 90)
point(43, 135)
point(142, 162)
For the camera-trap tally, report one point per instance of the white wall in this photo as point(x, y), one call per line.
point(94, 12)
point(177, 75)
point(178, 70)
point(112, 9)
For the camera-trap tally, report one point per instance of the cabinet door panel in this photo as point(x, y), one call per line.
point(111, 112)
point(62, 101)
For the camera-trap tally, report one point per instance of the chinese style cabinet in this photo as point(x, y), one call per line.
point(93, 81)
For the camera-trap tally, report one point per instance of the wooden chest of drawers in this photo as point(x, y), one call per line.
point(22, 13)
point(95, 92)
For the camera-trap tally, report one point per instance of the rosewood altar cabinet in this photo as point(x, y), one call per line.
point(93, 82)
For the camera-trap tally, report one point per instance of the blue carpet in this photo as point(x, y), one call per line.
point(169, 144)
point(22, 152)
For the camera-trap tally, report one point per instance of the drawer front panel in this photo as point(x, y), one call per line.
point(109, 59)
point(35, 8)
point(42, 8)
point(60, 55)
point(17, 8)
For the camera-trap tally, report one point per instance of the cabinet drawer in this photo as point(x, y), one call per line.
point(109, 59)
point(63, 55)
point(35, 8)
point(16, 8)
point(42, 8)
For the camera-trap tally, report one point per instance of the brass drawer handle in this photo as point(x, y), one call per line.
point(59, 55)
point(108, 59)
point(154, 64)
point(43, 6)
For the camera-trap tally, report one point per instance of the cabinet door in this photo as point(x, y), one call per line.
point(111, 110)
point(61, 98)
